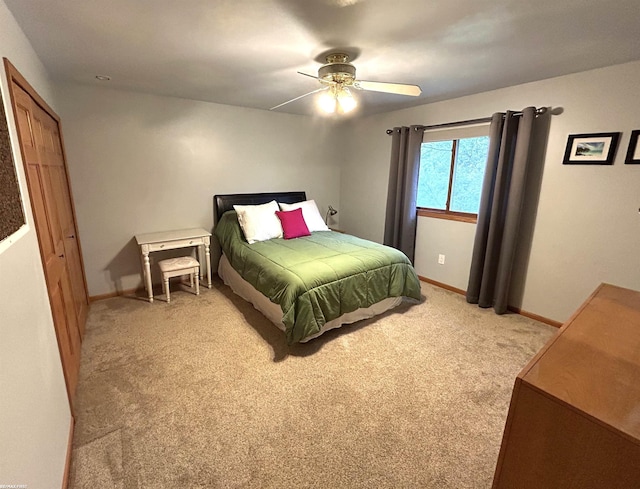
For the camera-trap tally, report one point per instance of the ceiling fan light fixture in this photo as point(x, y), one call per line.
point(345, 100)
point(328, 102)
point(337, 99)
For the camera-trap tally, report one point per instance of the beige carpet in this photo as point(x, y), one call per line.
point(205, 393)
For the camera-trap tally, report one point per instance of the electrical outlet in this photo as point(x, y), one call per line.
point(441, 259)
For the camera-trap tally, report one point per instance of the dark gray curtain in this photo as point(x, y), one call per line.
point(401, 218)
point(500, 209)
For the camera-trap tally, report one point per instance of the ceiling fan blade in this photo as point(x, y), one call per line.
point(398, 88)
point(298, 98)
point(306, 74)
point(321, 80)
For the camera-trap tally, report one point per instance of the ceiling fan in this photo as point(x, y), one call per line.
point(338, 76)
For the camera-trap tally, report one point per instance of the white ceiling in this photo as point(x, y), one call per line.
point(247, 52)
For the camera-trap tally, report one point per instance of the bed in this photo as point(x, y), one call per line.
point(310, 284)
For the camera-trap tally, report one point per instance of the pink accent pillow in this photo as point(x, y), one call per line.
point(293, 225)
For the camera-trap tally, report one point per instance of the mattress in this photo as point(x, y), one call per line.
point(273, 312)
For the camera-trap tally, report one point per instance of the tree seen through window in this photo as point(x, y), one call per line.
point(451, 174)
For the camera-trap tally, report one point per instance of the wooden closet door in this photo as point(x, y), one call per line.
point(51, 152)
point(55, 224)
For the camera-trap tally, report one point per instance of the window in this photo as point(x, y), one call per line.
point(451, 173)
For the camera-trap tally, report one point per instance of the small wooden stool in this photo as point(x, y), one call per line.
point(176, 267)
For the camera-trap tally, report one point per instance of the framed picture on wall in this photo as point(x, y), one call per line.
point(591, 149)
point(12, 216)
point(633, 153)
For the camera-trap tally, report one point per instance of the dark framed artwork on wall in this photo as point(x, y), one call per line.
point(591, 149)
point(12, 216)
point(633, 153)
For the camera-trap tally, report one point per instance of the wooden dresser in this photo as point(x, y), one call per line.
point(574, 418)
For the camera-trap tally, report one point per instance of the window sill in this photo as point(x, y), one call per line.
point(451, 216)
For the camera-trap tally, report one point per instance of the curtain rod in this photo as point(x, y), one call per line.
point(468, 122)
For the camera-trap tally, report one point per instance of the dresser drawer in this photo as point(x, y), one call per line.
point(180, 243)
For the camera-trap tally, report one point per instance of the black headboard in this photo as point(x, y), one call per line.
point(224, 203)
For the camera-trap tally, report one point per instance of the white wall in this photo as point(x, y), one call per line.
point(34, 411)
point(451, 238)
point(586, 229)
point(143, 163)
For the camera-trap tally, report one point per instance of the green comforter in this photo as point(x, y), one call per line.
point(317, 278)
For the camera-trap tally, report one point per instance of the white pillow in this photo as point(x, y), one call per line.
point(259, 222)
point(310, 213)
